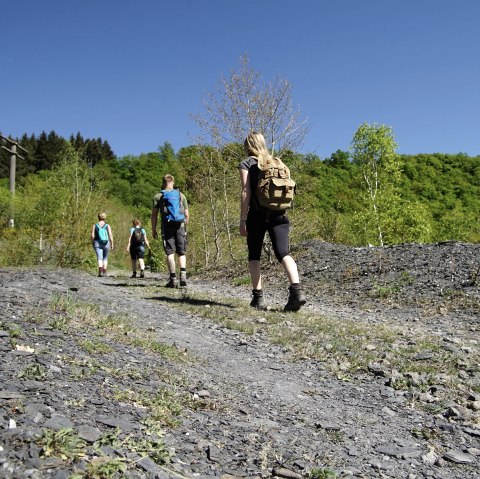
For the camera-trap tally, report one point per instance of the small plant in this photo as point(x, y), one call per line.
point(64, 444)
point(426, 433)
point(109, 439)
point(163, 406)
point(152, 447)
point(14, 331)
point(33, 371)
point(321, 473)
point(337, 437)
point(93, 346)
point(384, 291)
point(59, 322)
point(75, 402)
point(103, 468)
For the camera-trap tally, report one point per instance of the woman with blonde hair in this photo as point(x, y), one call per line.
point(255, 221)
point(102, 242)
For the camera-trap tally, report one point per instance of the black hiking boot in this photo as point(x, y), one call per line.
point(172, 283)
point(142, 274)
point(183, 280)
point(257, 299)
point(134, 275)
point(296, 298)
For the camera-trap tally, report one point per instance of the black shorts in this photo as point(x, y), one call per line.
point(278, 227)
point(138, 252)
point(174, 238)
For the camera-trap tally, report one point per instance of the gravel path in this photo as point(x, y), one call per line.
point(263, 414)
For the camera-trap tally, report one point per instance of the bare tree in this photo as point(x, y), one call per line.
point(245, 102)
point(242, 103)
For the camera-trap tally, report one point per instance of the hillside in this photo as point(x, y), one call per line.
point(378, 377)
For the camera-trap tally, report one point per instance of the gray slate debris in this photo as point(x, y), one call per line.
point(252, 410)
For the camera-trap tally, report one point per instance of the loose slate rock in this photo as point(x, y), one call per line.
point(398, 452)
point(122, 423)
point(423, 356)
point(89, 433)
point(458, 457)
point(11, 395)
point(328, 426)
point(472, 432)
point(152, 468)
point(286, 473)
point(57, 422)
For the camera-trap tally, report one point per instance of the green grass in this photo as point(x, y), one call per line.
point(94, 346)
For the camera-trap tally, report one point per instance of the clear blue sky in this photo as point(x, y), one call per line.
point(131, 71)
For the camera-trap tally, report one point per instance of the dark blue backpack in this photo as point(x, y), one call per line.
point(172, 206)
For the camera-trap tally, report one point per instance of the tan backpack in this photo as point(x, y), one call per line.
point(275, 189)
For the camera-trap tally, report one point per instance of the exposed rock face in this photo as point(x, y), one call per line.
point(248, 409)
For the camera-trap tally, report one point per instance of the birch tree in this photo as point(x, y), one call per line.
point(389, 218)
point(373, 149)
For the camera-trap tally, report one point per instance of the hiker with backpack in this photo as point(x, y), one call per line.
point(267, 192)
point(136, 247)
point(173, 208)
point(102, 241)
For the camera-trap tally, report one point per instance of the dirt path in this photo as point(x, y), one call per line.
point(272, 416)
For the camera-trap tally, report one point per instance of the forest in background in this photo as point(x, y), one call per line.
point(63, 183)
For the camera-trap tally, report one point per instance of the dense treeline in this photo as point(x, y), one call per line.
point(44, 152)
point(63, 183)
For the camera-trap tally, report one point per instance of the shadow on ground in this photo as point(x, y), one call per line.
point(128, 285)
point(189, 300)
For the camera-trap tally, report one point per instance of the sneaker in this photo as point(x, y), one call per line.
point(142, 274)
point(100, 274)
point(257, 299)
point(183, 283)
point(134, 275)
point(296, 299)
point(172, 283)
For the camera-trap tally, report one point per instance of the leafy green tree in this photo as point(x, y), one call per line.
point(339, 159)
point(373, 151)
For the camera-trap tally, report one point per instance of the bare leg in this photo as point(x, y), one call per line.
point(255, 274)
point(171, 263)
point(141, 262)
point(182, 261)
point(290, 268)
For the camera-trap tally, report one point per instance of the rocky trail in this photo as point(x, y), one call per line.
point(149, 384)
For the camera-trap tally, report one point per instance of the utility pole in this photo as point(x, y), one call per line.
point(13, 168)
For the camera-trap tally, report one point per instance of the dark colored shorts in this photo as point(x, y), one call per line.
point(277, 226)
point(174, 239)
point(138, 252)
